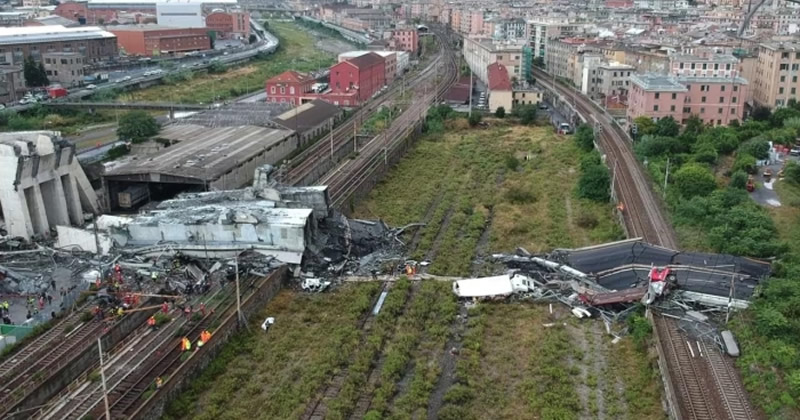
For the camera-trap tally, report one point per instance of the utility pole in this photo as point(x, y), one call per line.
point(355, 137)
point(470, 91)
point(666, 179)
point(730, 303)
point(613, 180)
point(331, 138)
point(238, 296)
point(103, 380)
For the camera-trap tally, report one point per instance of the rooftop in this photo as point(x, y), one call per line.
point(153, 2)
point(498, 77)
point(202, 153)
point(366, 60)
point(777, 46)
point(145, 27)
point(50, 33)
point(657, 82)
point(716, 58)
point(707, 79)
point(238, 114)
point(262, 210)
point(308, 115)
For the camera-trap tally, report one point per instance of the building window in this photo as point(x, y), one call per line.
point(784, 67)
point(702, 110)
point(780, 91)
point(272, 89)
point(283, 90)
point(658, 95)
point(719, 122)
point(722, 99)
point(719, 111)
point(672, 108)
point(735, 88)
point(705, 66)
point(291, 90)
point(687, 110)
point(703, 99)
point(680, 66)
point(674, 96)
point(783, 79)
point(733, 99)
point(793, 91)
point(655, 107)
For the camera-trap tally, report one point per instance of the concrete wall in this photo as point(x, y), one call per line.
point(70, 369)
point(70, 238)
point(43, 184)
point(153, 407)
point(243, 174)
point(291, 237)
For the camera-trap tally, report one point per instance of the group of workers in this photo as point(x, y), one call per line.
point(186, 344)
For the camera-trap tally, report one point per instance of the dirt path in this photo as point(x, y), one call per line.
point(447, 376)
point(597, 363)
point(578, 338)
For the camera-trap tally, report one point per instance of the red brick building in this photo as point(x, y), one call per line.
point(229, 25)
point(355, 80)
point(150, 40)
point(99, 14)
point(405, 40)
point(290, 87)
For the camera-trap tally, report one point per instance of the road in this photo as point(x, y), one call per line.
point(140, 71)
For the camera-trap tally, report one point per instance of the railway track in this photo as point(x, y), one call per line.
point(643, 212)
point(732, 395)
point(40, 345)
point(37, 371)
point(342, 136)
point(126, 358)
point(691, 391)
point(346, 179)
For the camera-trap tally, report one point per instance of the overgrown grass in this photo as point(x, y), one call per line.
point(527, 175)
point(366, 356)
point(416, 345)
point(296, 52)
point(275, 375)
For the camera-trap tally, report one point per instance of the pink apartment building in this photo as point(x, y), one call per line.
point(716, 100)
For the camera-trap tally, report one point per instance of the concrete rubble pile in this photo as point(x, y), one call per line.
point(610, 280)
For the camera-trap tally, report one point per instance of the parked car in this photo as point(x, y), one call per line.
point(91, 87)
point(795, 151)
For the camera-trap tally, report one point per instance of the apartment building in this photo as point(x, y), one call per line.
point(479, 53)
point(562, 56)
point(716, 100)
point(776, 73)
point(509, 29)
point(538, 31)
point(708, 65)
point(66, 68)
point(608, 81)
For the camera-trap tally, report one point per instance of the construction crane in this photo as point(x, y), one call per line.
point(752, 11)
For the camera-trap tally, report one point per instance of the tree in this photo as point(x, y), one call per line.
point(782, 114)
point(34, 73)
point(584, 136)
point(756, 147)
point(667, 127)
point(212, 38)
point(525, 113)
point(644, 126)
point(744, 162)
point(43, 80)
point(252, 39)
point(694, 180)
point(137, 126)
point(738, 180)
point(792, 172)
point(705, 153)
point(761, 113)
point(500, 112)
point(694, 126)
point(595, 183)
point(474, 119)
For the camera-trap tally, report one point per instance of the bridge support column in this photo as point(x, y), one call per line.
point(172, 113)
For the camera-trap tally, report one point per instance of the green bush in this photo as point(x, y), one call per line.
point(137, 126)
point(500, 112)
point(584, 136)
point(595, 183)
point(474, 119)
point(694, 180)
point(738, 180)
point(744, 162)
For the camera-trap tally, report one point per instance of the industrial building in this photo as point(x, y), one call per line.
point(310, 120)
point(151, 40)
point(202, 158)
point(44, 184)
point(229, 25)
point(98, 12)
point(396, 61)
point(66, 68)
point(17, 43)
point(180, 14)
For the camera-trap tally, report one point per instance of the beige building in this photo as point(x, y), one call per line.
point(500, 88)
point(540, 30)
point(776, 74)
point(607, 81)
point(479, 53)
point(562, 59)
point(526, 96)
point(66, 68)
